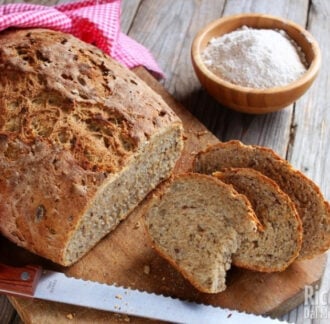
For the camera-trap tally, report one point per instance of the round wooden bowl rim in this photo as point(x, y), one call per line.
point(306, 77)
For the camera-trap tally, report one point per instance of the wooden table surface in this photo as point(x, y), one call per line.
point(300, 133)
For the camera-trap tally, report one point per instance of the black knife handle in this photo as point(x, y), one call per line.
point(19, 281)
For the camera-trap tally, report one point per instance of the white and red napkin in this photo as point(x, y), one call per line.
point(93, 21)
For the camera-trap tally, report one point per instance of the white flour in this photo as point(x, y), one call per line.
point(256, 58)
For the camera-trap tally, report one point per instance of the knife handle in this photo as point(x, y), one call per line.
point(19, 281)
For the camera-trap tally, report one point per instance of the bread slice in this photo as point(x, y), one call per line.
point(279, 244)
point(312, 208)
point(82, 142)
point(197, 222)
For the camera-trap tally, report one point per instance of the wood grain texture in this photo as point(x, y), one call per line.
point(7, 312)
point(19, 280)
point(312, 118)
point(309, 150)
point(128, 9)
point(173, 51)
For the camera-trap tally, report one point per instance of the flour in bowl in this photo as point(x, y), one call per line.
point(256, 58)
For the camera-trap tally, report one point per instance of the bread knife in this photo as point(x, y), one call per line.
point(34, 282)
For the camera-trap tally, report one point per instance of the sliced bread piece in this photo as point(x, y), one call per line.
point(279, 244)
point(312, 208)
point(196, 222)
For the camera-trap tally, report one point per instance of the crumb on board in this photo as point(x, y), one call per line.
point(70, 316)
point(146, 269)
point(137, 225)
point(119, 296)
point(198, 133)
point(122, 318)
point(201, 133)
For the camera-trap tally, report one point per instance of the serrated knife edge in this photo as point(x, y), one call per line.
point(58, 287)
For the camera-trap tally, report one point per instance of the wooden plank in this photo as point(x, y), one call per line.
point(153, 24)
point(162, 27)
point(310, 150)
point(290, 9)
point(6, 310)
point(311, 141)
point(128, 10)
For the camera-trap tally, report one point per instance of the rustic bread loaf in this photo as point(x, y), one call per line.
point(82, 142)
point(312, 208)
point(197, 222)
point(278, 245)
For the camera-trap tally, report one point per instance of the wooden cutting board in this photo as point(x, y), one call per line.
point(125, 258)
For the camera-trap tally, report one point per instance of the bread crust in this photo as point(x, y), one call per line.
point(235, 154)
point(71, 119)
point(270, 187)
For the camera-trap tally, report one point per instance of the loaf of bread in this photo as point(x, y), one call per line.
point(312, 208)
point(197, 223)
point(278, 245)
point(82, 142)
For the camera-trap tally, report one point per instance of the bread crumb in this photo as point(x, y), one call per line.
point(146, 269)
point(122, 318)
point(137, 225)
point(119, 297)
point(201, 133)
point(70, 316)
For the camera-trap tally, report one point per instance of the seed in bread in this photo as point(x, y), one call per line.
point(278, 245)
point(196, 222)
point(312, 208)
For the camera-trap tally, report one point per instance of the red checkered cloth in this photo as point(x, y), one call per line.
point(93, 21)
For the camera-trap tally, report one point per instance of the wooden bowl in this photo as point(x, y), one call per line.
point(253, 100)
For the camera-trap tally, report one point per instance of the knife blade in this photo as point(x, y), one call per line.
point(34, 282)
